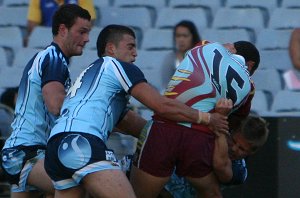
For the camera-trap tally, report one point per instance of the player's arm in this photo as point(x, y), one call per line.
point(54, 94)
point(221, 161)
point(131, 124)
point(174, 110)
point(294, 48)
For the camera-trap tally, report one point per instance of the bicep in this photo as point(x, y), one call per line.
point(53, 94)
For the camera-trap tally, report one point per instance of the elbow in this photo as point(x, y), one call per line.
point(223, 171)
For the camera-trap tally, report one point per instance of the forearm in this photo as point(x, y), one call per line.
point(221, 160)
point(131, 124)
point(294, 48)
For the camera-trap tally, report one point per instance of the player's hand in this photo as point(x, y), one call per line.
point(224, 106)
point(230, 47)
point(218, 123)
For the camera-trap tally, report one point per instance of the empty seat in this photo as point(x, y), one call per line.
point(94, 33)
point(169, 17)
point(213, 5)
point(226, 35)
point(15, 2)
point(268, 5)
point(286, 101)
point(248, 18)
point(261, 102)
point(152, 63)
point(268, 80)
point(11, 37)
point(154, 5)
point(284, 18)
point(13, 16)
point(23, 55)
point(290, 3)
point(275, 59)
point(40, 37)
point(137, 17)
point(12, 75)
point(3, 58)
point(102, 3)
point(270, 39)
point(158, 39)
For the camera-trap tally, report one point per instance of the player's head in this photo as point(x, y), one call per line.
point(185, 35)
point(250, 53)
point(70, 27)
point(117, 41)
point(248, 137)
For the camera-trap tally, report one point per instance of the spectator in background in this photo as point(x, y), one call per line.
point(292, 76)
point(7, 106)
point(185, 37)
point(40, 12)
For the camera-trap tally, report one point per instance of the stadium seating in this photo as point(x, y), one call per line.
point(157, 39)
point(22, 56)
point(154, 5)
point(268, 5)
point(12, 75)
point(212, 5)
point(261, 102)
point(15, 3)
point(268, 80)
point(169, 17)
point(226, 18)
point(290, 3)
point(13, 16)
point(40, 37)
point(94, 33)
point(286, 101)
point(275, 59)
point(11, 37)
point(3, 58)
point(284, 18)
point(226, 35)
point(270, 39)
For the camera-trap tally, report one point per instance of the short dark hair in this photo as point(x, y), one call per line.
point(112, 33)
point(255, 130)
point(67, 14)
point(191, 27)
point(249, 52)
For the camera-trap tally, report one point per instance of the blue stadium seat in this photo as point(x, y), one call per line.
point(155, 5)
point(169, 17)
point(261, 102)
point(227, 18)
point(268, 5)
point(212, 5)
point(290, 3)
point(13, 16)
point(13, 76)
point(94, 33)
point(40, 37)
point(284, 18)
point(226, 35)
point(286, 101)
point(275, 59)
point(268, 80)
point(3, 58)
point(22, 56)
point(157, 39)
point(11, 38)
point(15, 3)
point(270, 39)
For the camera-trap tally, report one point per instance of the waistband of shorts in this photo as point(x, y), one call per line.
point(199, 127)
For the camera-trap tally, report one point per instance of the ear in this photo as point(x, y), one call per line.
point(110, 49)
point(250, 64)
point(62, 30)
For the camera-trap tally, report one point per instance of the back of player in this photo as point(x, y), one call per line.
point(210, 72)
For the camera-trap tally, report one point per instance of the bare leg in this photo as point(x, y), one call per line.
point(207, 187)
point(75, 192)
point(108, 183)
point(146, 185)
point(25, 194)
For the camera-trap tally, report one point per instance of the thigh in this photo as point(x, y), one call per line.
point(157, 149)
point(72, 156)
point(207, 186)
point(146, 185)
point(108, 183)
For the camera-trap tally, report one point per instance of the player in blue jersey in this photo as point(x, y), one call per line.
point(76, 153)
point(207, 73)
point(42, 90)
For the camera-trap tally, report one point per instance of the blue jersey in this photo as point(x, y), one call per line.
point(33, 122)
point(208, 73)
point(98, 98)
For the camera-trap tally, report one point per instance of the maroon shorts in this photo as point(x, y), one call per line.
point(164, 146)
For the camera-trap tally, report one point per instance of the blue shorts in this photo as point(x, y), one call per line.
point(70, 156)
point(17, 162)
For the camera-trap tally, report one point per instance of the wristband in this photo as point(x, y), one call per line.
point(203, 118)
point(199, 121)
